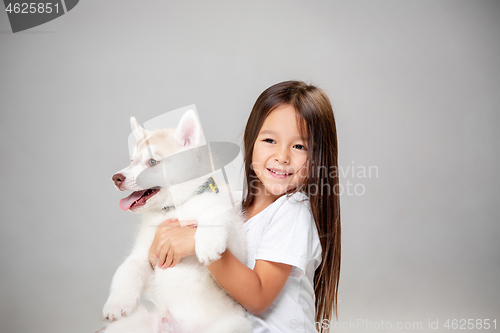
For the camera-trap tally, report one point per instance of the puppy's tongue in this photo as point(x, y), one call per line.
point(125, 203)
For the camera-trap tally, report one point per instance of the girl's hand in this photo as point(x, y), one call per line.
point(173, 241)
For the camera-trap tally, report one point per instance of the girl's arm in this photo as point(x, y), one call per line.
point(254, 289)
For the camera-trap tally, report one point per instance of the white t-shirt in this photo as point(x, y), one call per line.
point(285, 232)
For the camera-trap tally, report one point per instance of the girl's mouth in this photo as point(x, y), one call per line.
point(278, 174)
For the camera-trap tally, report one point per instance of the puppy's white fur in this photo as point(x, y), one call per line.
point(185, 298)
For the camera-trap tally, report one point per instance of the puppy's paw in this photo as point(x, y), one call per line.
point(119, 306)
point(209, 249)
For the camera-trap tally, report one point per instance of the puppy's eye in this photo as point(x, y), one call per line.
point(152, 162)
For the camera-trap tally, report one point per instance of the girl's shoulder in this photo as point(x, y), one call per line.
point(295, 200)
point(298, 196)
point(289, 206)
point(294, 206)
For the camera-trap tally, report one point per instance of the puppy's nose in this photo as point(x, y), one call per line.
point(118, 179)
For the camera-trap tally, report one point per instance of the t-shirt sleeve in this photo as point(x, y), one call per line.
point(290, 237)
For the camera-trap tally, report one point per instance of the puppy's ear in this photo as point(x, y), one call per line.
point(138, 130)
point(188, 131)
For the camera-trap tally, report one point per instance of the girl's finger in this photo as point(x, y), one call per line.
point(152, 260)
point(168, 260)
point(167, 227)
point(162, 256)
point(177, 259)
point(161, 244)
point(191, 223)
point(167, 222)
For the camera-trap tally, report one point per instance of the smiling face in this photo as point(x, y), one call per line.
point(279, 154)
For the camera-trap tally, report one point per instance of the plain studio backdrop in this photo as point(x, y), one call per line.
point(415, 88)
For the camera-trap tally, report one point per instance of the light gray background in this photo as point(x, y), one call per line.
point(415, 87)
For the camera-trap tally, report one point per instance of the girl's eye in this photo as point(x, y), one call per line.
point(152, 162)
point(269, 140)
point(301, 147)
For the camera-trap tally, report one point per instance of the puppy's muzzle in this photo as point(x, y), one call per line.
point(118, 179)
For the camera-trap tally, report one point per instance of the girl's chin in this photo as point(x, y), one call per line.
point(278, 190)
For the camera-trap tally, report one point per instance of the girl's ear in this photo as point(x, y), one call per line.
point(138, 130)
point(188, 131)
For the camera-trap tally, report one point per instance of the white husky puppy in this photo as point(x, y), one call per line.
point(186, 297)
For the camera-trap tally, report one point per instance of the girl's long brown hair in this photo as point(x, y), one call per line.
point(317, 123)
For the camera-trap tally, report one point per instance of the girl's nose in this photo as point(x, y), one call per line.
point(282, 155)
point(282, 159)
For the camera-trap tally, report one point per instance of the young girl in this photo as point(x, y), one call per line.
point(292, 212)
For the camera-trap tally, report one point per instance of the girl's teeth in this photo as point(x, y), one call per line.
point(278, 173)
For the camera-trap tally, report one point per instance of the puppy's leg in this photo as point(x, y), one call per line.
point(236, 242)
point(130, 279)
point(141, 321)
point(211, 236)
point(126, 288)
